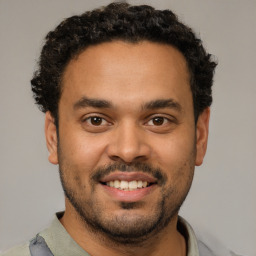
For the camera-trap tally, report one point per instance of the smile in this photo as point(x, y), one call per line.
point(128, 185)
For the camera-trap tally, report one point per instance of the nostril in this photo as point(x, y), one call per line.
point(115, 158)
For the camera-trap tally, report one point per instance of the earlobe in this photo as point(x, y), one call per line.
point(51, 138)
point(202, 130)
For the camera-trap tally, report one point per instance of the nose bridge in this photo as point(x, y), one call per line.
point(128, 143)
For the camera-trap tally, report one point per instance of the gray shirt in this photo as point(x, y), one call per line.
point(62, 244)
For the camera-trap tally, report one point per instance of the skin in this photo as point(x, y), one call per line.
point(129, 77)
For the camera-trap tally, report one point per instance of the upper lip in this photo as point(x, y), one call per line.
point(128, 176)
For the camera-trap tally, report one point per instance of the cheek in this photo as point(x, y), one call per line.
point(177, 160)
point(176, 154)
point(81, 151)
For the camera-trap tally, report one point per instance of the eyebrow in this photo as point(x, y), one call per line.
point(95, 103)
point(162, 103)
point(154, 104)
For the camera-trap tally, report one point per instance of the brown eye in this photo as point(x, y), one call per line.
point(158, 120)
point(161, 123)
point(95, 124)
point(95, 120)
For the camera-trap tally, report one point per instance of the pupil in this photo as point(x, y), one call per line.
point(96, 120)
point(158, 121)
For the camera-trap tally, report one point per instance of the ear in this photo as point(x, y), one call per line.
point(202, 130)
point(51, 138)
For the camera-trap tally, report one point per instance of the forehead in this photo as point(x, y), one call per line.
point(112, 69)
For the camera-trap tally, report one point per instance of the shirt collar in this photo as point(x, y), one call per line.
point(191, 241)
point(61, 243)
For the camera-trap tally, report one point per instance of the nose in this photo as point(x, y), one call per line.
point(128, 144)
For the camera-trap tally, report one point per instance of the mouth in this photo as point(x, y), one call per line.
point(128, 185)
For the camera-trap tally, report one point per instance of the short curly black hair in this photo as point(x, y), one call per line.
point(120, 21)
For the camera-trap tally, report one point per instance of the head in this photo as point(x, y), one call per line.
point(120, 21)
point(126, 91)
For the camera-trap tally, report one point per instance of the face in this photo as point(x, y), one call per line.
point(127, 141)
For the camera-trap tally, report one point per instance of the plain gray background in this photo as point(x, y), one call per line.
point(222, 198)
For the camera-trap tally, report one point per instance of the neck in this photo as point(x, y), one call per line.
point(166, 242)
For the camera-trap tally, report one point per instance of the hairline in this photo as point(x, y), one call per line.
point(134, 41)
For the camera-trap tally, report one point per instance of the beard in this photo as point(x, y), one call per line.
point(128, 226)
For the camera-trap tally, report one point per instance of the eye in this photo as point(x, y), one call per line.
point(96, 121)
point(161, 123)
point(158, 121)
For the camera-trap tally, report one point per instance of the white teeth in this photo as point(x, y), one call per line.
point(133, 184)
point(116, 184)
point(139, 184)
point(125, 185)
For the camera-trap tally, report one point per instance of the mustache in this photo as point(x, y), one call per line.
point(156, 172)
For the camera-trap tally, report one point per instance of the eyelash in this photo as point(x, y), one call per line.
point(89, 119)
point(163, 119)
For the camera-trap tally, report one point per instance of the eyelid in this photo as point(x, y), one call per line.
point(165, 120)
point(103, 121)
point(91, 115)
point(167, 117)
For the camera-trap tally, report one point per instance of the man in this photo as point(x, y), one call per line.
point(126, 91)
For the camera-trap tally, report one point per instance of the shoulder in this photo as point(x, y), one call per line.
point(210, 245)
point(21, 250)
point(203, 243)
point(213, 250)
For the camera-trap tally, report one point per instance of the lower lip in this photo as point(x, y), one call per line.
point(128, 196)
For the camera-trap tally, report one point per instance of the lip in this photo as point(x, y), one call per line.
point(128, 196)
point(129, 176)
